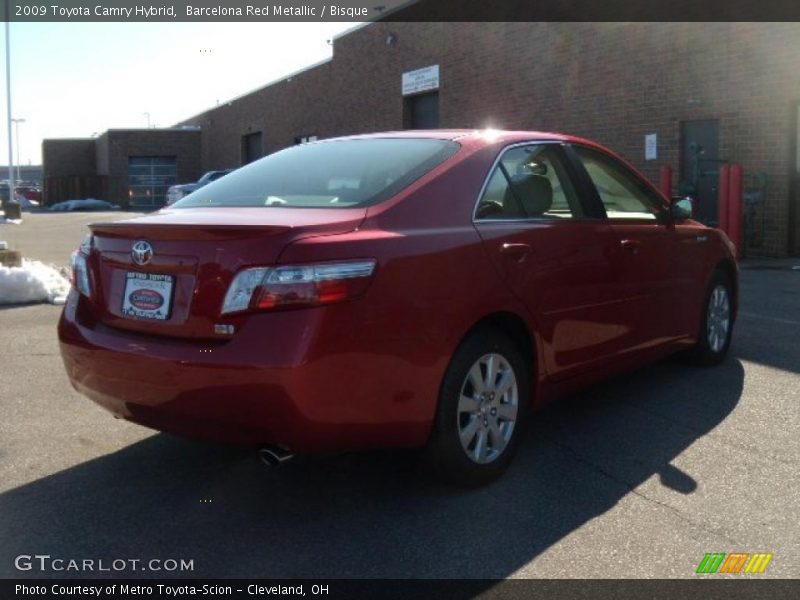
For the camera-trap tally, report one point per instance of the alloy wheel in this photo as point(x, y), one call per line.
point(487, 408)
point(718, 321)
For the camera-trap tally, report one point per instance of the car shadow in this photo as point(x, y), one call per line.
point(371, 514)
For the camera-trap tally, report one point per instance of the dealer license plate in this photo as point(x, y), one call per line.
point(147, 296)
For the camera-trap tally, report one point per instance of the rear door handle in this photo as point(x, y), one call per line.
point(631, 245)
point(518, 250)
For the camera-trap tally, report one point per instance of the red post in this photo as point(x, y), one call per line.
point(723, 200)
point(665, 182)
point(735, 213)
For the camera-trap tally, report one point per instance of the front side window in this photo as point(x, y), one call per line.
point(529, 182)
point(623, 194)
point(335, 174)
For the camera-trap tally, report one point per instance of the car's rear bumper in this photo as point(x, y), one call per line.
point(283, 390)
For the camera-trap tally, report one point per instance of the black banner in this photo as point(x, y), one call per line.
point(400, 10)
point(705, 588)
point(598, 10)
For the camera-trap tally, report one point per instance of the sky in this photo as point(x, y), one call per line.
point(77, 79)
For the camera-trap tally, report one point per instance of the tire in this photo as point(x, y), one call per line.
point(489, 417)
point(716, 327)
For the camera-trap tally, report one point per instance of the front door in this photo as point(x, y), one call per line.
point(653, 275)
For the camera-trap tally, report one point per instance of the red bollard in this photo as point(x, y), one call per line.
point(665, 182)
point(735, 213)
point(723, 218)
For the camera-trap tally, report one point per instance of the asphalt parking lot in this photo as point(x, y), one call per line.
point(639, 477)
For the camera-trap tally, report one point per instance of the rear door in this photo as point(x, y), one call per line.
point(548, 238)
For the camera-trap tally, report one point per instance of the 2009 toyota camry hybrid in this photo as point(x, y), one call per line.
point(415, 289)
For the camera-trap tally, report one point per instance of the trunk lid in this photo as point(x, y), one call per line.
point(195, 254)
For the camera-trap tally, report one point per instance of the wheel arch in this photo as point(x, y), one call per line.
point(524, 338)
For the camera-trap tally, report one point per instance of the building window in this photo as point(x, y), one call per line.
point(252, 147)
point(148, 180)
point(421, 111)
point(304, 139)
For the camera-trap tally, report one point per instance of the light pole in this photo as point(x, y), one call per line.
point(8, 104)
point(16, 141)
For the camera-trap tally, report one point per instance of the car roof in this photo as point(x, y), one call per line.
point(472, 136)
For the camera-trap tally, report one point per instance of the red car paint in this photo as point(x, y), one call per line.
point(593, 298)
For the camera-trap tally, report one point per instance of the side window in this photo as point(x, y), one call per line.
point(529, 182)
point(623, 194)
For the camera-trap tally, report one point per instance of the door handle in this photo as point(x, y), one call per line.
point(518, 250)
point(631, 245)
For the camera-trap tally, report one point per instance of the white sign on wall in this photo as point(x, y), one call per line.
point(421, 80)
point(650, 146)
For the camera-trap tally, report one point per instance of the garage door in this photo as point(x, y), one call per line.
point(148, 180)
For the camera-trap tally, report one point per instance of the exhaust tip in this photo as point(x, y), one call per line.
point(272, 456)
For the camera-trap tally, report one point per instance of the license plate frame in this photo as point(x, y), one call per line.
point(154, 295)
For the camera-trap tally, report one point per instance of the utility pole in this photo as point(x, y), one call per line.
point(8, 103)
point(16, 141)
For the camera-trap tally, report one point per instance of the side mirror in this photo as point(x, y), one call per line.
point(681, 209)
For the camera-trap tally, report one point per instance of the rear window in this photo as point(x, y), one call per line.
point(336, 174)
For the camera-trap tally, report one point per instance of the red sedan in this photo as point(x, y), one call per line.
point(416, 289)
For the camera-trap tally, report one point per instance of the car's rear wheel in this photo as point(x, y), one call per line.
point(482, 406)
point(714, 338)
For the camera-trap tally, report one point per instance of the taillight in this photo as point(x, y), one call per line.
point(87, 243)
point(262, 288)
point(240, 292)
point(80, 268)
point(80, 274)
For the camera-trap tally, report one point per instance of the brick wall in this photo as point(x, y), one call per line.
point(612, 82)
point(83, 168)
point(117, 145)
point(68, 157)
point(68, 170)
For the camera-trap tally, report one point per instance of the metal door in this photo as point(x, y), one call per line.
point(700, 164)
point(422, 111)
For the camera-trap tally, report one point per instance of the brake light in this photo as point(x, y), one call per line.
point(240, 292)
point(80, 274)
point(298, 285)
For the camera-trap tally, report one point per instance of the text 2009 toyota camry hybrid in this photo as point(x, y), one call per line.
point(415, 289)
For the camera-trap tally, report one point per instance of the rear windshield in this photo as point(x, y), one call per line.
point(336, 174)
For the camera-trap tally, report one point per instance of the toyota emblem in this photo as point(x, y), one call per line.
point(142, 252)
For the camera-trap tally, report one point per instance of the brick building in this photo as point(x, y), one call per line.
point(131, 167)
point(708, 92)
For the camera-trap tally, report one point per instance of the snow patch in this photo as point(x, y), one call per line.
point(34, 281)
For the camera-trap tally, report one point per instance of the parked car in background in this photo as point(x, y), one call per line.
point(176, 192)
point(416, 289)
point(87, 204)
point(22, 189)
point(27, 205)
point(31, 191)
